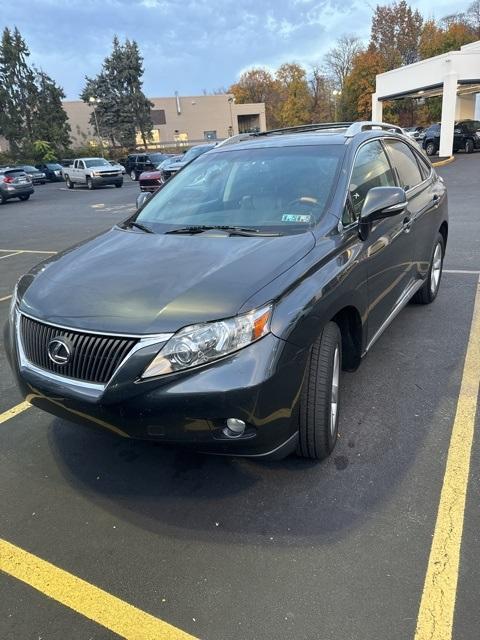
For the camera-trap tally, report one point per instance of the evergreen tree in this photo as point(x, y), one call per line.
point(51, 121)
point(17, 91)
point(121, 106)
point(30, 101)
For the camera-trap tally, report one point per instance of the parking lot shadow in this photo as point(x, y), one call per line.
point(390, 407)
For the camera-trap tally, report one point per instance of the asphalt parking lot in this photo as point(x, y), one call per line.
point(232, 549)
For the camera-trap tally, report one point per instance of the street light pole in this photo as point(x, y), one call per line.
point(230, 102)
point(94, 101)
point(335, 94)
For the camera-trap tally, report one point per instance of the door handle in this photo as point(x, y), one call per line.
point(407, 224)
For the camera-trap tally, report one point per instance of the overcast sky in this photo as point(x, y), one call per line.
point(189, 45)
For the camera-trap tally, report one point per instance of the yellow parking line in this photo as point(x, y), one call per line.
point(120, 617)
point(24, 251)
point(9, 255)
point(435, 616)
point(5, 298)
point(6, 415)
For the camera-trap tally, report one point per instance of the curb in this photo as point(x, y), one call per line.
point(442, 163)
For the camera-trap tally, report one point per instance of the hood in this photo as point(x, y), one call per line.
point(137, 283)
point(150, 175)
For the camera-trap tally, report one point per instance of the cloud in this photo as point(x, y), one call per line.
point(190, 45)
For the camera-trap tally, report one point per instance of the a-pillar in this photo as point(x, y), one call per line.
point(377, 108)
point(449, 102)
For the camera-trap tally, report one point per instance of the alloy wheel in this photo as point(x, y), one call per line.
point(436, 269)
point(334, 392)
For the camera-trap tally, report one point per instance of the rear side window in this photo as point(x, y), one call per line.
point(403, 159)
point(371, 169)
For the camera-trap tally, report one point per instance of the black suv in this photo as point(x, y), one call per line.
point(222, 313)
point(137, 163)
point(466, 137)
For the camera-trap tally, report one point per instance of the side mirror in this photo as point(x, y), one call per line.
point(142, 197)
point(383, 202)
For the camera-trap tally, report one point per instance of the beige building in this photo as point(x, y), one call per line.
point(180, 119)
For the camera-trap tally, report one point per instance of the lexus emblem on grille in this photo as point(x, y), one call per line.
point(59, 351)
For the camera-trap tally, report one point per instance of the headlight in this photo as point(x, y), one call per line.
point(95, 174)
point(203, 343)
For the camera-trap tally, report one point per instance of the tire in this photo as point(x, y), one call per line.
point(318, 425)
point(429, 290)
point(430, 148)
point(90, 184)
point(69, 183)
point(24, 197)
point(118, 185)
point(3, 199)
point(469, 146)
point(133, 175)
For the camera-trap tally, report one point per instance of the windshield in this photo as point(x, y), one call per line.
point(53, 167)
point(283, 189)
point(156, 157)
point(29, 168)
point(96, 162)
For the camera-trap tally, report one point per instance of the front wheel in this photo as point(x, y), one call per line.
point(90, 184)
point(320, 399)
point(430, 287)
point(118, 185)
point(469, 146)
point(430, 148)
point(24, 197)
point(133, 175)
point(69, 183)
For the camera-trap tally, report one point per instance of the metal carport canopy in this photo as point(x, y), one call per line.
point(454, 75)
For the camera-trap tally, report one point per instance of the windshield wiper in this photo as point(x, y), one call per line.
point(233, 231)
point(139, 225)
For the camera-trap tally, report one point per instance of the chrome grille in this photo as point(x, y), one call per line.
point(94, 358)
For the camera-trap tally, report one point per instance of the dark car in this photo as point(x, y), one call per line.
point(52, 171)
point(222, 314)
point(38, 177)
point(14, 183)
point(466, 137)
point(137, 163)
point(170, 169)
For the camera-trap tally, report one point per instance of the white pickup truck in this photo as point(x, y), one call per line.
point(92, 172)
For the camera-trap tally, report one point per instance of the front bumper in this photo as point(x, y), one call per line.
point(107, 180)
point(259, 384)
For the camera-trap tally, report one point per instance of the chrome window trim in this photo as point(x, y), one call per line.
point(144, 341)
point(381, 139)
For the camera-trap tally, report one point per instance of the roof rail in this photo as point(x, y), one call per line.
point(367, 125)
point(321, 126)
point(239, 137)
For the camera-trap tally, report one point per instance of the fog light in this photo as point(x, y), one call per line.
point(235, 428)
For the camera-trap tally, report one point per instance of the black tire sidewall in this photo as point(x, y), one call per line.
point(315, 437)
point(432, 147)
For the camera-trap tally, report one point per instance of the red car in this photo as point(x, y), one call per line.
point(150, 181)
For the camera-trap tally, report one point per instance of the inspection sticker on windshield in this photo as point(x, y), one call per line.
point(294, 217)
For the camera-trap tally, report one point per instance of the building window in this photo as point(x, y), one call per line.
point(210, 135)
point(158, 116)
